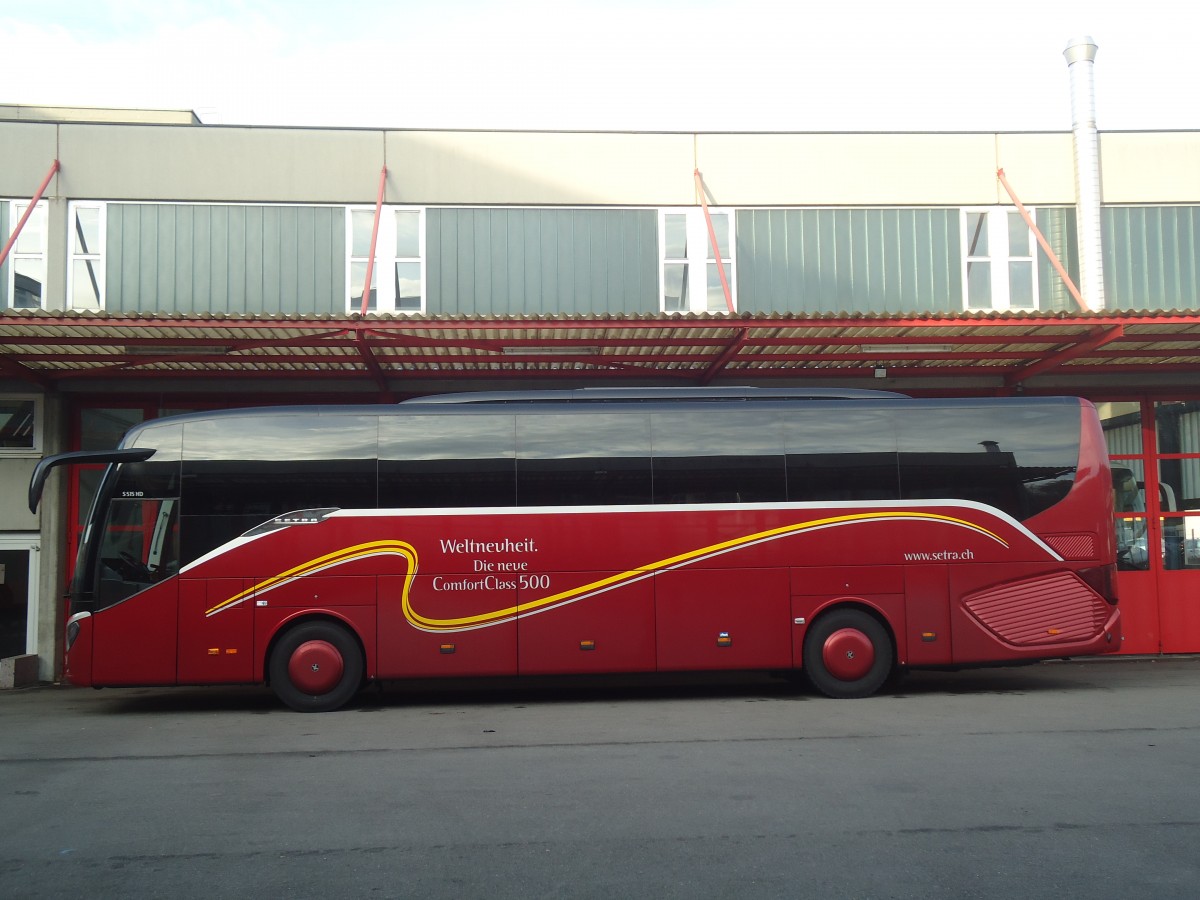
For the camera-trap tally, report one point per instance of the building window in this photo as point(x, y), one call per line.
point(20, 425)
point(998, 260)
point(85, 276)
point(398, 274)
point(689, 275)
point(27, 273)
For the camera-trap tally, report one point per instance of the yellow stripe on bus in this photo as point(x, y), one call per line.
point(496, 617)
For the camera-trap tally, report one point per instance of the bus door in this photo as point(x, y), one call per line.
point(136, 596)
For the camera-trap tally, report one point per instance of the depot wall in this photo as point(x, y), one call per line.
point(224, 163)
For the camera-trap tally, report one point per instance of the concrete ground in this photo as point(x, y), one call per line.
point(1058, 780)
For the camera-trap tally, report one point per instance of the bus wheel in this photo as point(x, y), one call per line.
point(316, 667)
point(847, 653)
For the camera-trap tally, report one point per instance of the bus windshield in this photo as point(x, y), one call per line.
point(138, 547)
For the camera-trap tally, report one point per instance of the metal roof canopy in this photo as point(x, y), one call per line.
point(1001, 352)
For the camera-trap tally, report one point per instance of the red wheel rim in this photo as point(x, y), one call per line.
point(848, 654)
point(315, 667)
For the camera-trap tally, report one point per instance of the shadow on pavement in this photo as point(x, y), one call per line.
point(750, 687)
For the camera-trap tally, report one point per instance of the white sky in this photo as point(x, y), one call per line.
point(647, 65)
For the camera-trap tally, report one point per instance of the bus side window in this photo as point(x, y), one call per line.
point(735, 457)
point(583, 459)
point(1019, 460)
point(428, 461)
point(842, 476)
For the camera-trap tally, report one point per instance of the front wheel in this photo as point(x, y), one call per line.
point(847, 654)
point(316, 667)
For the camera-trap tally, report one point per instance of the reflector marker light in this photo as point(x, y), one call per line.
point(446, 648)
point(724, 640)
point(587, 645)
point(929, 636)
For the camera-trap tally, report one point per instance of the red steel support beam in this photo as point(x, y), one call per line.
point(727, 354)
point(17, 370)
point(712, 239)
point(374, 237)
point(1099, 338)
point(28, 211)
point(1058, 266)
point(376, 370)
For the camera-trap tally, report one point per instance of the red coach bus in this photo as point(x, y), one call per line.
point(846, 534)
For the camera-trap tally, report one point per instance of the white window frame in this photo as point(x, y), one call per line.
point(36, 449)
point(31, 542)
point(18, 253)
point(386, 259)
point(93, 259)
point(999, 258)
point(698, 258)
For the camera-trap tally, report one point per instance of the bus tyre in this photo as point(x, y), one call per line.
point(847, 654)
point(316, 667)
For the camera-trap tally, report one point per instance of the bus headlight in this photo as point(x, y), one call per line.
point(73, 627)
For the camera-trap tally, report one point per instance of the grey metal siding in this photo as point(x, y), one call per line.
point(1152, 257)
point(530, 261)
point(183, 258)
point(1057, 224)
point(849, 260)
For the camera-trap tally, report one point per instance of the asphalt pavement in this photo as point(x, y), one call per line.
point(1073, 779)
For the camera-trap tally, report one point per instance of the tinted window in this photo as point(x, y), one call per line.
point(842, 476)
point(242, 470)
point(159, 475)
point(707, 456)
point(446, 461)
point(583, 459)
point(1020, 459)
point(147, 479)
point(838, 454)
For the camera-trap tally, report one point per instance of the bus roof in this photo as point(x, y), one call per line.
point(640, 394)
point(612, 399)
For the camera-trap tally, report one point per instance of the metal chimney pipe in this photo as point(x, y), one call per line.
point(1081, 55)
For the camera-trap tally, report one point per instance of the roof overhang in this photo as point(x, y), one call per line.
point(996, 352)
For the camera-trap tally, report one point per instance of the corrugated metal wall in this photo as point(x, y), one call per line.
point(1057, 224)
point(291, 259)
point(1152, 257)
point(849, 260)
point(525, 261)
point(212, 259)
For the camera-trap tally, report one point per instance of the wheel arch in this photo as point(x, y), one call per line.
point(303, 617)
point(862, 605)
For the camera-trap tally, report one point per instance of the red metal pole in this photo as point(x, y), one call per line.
point(374, 237)
point(28, 212)
point(1058, 266)
point(712, 237)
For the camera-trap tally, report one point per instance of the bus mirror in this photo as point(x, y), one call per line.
point(79, 457)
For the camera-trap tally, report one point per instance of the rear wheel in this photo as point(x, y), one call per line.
point(316, 667)
point(847, 653)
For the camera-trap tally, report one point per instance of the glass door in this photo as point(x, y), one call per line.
point(18, 594)
point(1177, 467)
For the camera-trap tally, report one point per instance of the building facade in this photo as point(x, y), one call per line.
point(170, 265)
